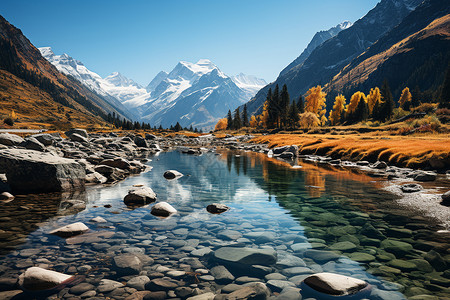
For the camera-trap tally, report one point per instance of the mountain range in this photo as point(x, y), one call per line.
point(193, 94)
point(327, 59)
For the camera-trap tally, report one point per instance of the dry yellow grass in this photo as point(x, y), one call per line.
point(401, 151)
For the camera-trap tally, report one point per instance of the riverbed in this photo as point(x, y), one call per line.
point(315, 219)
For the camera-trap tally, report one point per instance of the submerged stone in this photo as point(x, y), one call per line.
point(335, 285)
point(247, 256)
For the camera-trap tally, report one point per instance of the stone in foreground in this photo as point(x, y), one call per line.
point(172, 174)
point(321, 285)
point(70, 230)
point(38, 279)
point(163, 209)
point(30, 171)
point(139, 195)
point(217, 208)
point(257, 290)
point(247, 256)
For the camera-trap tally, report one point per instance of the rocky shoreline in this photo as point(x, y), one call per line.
point(142, 271)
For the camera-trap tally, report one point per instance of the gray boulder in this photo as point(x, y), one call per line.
point(172, 174)
point(217, 208)
point(81, 132)
point(30, 171)
point(425, 176)
point(140, 141)
point(163, 209)
point(70, 230)
point(446, 198)
point(75, 137)
point(10, 139)
point(38, 279)
point(44, 138)
point(335, 285)
point(32, 144)
point(246, 256)
point(257, 290)
point(411, 187)
point(140, 195)
point(222, 275)
point(117, 162)
point(127, 264)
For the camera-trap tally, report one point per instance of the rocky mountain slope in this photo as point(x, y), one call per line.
point(415, 54)
point(330, 57)
point(37, 91)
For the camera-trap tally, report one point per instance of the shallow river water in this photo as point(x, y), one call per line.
point(317, 219)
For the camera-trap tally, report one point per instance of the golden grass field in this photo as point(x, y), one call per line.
point(406, 151)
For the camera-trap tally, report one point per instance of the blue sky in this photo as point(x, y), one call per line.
point(141, 38)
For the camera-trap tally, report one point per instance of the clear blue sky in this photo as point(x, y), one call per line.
point(141, 38)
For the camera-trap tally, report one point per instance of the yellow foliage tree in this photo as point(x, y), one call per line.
point(264, 116)
point(372, 98)
point(221, 124)
point(405, 97)
point(13, 115)
point(323, 120)
point(253, 122)
point(309, 120)
point(338, 109)
point(315, 101)
point(354, 100)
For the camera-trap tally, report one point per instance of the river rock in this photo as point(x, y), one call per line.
point(127, 264)
point(217, 208)
point(163, 209)
point(78, 138)
point(334, 285)
point(398, 248)
point(39, 279)
point(446, 198)
point(107, 285)
point(172, 174)
point(32, 144)
point(436, 260)
point(80, 132)
point(138, 282)
point(160, 284)
point(117, 162)
point(81, 288)
point(6, 197)
point(70, 230)
point(256, 290)
point(246, 256)
point(8, 139)
point(96, 178)
point(425, 176)
point(222, 275)
point(411, 188)
point(30, 171)
point(140, 141)
point(140, 195)
point(44, 138)
point(320, 255)
point(205, 296)
point(279, 285)
point(379, 165)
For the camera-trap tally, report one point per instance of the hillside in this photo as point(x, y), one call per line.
point(26, 75)
point(414, 54)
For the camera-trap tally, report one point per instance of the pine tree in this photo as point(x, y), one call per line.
point(284, 106)
point(300, 105)
point(229, 120)
point(362, 111)
point(273, 108)
point(245, 122)
point(416, 97)
point(388, 101)
point(444, 99)
point(178, 127)
point(237, 123)
point(294, 115)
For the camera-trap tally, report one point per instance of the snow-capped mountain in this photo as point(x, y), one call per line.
point(248, 83)
point(115, 88)
point(196, 94)
point(318, 39)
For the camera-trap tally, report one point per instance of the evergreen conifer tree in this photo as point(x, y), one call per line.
point(444, 99)
point(237, 119)
point(294, 115)
point(245, 122)
point(388, 101)
point(301, 105)
point(284, 106)
point(229, 120)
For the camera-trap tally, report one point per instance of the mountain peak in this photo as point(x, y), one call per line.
point(344, 25)
point(46, 51)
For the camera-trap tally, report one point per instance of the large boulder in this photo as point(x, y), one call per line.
point(425, 176)
point(446, 198)
point(117, 162)
point(172, 174)
point(139, 195)
point(217, 208)
point(32, 144)
point(81, 132)
point(257, 290)
point(140, 141)
point(127, 264)
point(321, 285)
point(38, 279)
point(44, 138)
point(246, 256)
point(75, 137)
point(70, 230)
point(30, 171)
point(163, 209)
point(10, 139)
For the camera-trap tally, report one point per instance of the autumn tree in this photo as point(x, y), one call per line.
point(405, 99)
point(309, 120)
point(316, 101)
point(338, 109)
point(222, 124)
point(253, 122)
point(372, 98)
point(264, 117)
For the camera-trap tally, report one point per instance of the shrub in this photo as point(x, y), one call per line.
point(443, 114)
point(8, 121)
point(425, 108)
point(399, 113)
